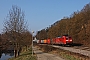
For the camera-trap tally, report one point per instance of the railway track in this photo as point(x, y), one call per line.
point(83, 50)
point(76, 49)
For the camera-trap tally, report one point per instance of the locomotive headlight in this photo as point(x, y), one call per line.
point(70, 40)
point(66, 40)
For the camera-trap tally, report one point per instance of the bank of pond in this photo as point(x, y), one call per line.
point(8, 54)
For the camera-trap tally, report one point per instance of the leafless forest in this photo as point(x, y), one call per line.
point(77, 25)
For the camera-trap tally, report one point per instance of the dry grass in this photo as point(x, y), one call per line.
point(63, 53)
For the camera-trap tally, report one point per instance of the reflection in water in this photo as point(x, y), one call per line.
point(0, 53)
point(4, 55)
point(6, 52)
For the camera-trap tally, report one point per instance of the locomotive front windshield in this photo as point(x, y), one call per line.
point(67, 38)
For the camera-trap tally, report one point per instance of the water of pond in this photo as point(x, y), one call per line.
point(5, 56)
point(6, 52)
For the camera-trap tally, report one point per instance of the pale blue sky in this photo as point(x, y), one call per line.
point(40, 14)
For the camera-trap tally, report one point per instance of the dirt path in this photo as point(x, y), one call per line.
point(45, 56)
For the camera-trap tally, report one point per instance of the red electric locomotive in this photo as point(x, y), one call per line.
point(62, 40)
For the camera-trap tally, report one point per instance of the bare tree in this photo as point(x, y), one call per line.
point(15, 26)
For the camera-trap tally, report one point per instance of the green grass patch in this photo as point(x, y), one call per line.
point(25, 55)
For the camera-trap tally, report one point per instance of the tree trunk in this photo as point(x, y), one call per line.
point(15, 53)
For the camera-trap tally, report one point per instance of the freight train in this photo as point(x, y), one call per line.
point(64, 40)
